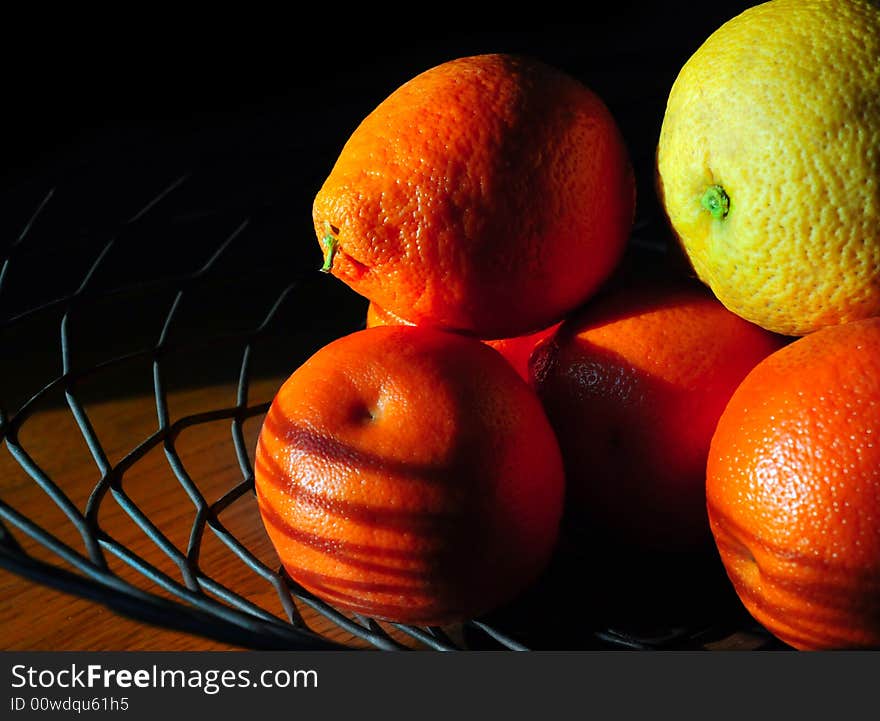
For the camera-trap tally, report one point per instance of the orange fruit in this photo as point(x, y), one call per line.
point(377, 317)
point(793, 489)
point(409, 474)
point(516, 351)
point(489, 195)
point(633, 386)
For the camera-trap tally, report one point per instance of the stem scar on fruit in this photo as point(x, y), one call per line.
point(330, 242)
point(716, 201)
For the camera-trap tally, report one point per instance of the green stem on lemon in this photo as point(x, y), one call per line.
point(329, 242)
point(716, 201)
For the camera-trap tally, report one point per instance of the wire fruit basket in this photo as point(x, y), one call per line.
point(147, 280)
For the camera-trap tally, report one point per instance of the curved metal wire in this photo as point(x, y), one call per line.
point(196, 602)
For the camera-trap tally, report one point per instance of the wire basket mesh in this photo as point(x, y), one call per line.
point(151, 289)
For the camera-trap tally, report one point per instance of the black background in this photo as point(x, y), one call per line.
point(108, 110)
point(73, 86)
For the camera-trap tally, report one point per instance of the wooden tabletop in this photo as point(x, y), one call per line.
point(34, 617)
point(201, 377)
point(37, 617)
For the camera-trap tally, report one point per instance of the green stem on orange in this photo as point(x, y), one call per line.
point(329, 242)
point(716, 201)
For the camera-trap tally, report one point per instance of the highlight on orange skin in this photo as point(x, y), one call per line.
point(792, 489)
point(409, 475)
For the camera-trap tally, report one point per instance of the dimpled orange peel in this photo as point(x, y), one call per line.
point(409, 474)
point(489, 195)
point(793, 489)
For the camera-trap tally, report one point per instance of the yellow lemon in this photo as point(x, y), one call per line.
point(769, 163)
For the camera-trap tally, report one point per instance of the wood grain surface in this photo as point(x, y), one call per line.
point(34, 617)
point(120, 405)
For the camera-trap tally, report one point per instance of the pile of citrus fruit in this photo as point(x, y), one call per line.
point(515, 374)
